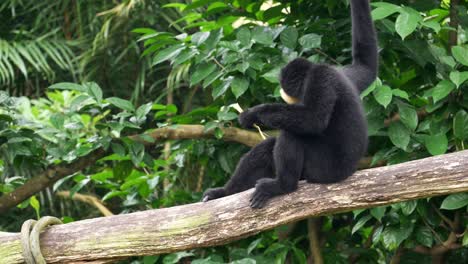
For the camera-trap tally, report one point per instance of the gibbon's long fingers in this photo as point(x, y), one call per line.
point(240, 110)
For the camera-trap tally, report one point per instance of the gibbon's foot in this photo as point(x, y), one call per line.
point(260, 196)
point(213, 193)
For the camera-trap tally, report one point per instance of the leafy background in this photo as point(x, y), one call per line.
point(79, 75)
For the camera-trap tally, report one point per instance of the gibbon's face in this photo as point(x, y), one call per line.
point(287, 98)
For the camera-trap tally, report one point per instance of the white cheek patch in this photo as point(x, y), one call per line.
point(288, 99)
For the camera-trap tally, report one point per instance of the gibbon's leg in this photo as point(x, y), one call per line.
point(324, 165)
point(254, 165)
point(289, 161)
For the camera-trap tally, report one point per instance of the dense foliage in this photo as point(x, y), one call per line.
point(76, 77)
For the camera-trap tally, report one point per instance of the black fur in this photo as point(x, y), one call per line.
point(323, 136)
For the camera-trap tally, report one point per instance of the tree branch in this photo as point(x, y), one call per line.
point(89, 199)
point(453, 34)
point(55, 173)
point(224, 220)
point(313, 227)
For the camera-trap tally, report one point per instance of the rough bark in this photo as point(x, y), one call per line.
point(55, 173)
point(224, 220)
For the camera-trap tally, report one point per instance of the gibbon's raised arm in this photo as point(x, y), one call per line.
point(363, 70)
point(294, 118)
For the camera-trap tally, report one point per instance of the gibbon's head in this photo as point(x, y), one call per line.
point(292, 79)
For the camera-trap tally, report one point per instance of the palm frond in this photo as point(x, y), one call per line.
point(40, 56)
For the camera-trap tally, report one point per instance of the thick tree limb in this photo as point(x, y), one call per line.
point(46, 179)
point(55, 173)
point(224, 220)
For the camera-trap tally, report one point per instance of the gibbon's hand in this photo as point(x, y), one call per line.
point(248, 118)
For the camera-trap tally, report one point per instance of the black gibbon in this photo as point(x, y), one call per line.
point(323, 129)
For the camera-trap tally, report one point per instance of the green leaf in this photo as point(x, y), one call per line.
point(360, 223)
point(242, 67)
point(383, 94)
point(393, 236)
point(310, 41)
point(175, 5)
point(143, 110)
point(424, 236)
point(408, 116)
point(150, 259)
point(79, 186)
point(95, 91)
point(184, 56)
point(289, 37)
point(461, 54)
point(408, 207)
point(400, 93)
point(384, 11)
point(167, 54)
point(460, 125)
point(211, 78)
point(239, 85)
point(441, 90)
point(399, 135)
point(376, 235)
point(176, 257)
point(407, 22)
point(218, 132)
point(272, 76)
point(378, 212)
point(221, 89)
point(121, 103)
point(36, 205)
point(244, 36)
point(111, 194)
point(200, 37)
point(201, 72)
point(171, 108)
point(57, 120)
point(68, 86)
point(432, 24)
point(455, 201)
point(210, 125)
point(226, 116)
point(254, 245)
point(458, 78)
point(137, 152)
point(144, 30)
point(436, 144)
point(371, 88)
point(262, 35)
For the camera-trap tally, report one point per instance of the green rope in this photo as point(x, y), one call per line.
point(30, 239)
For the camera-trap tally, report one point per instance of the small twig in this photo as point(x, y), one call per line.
point(219, 64)
point(432, 231)
point(430, 17)
point(444, 218)
point(396, 117)
point(89, 199)
point(201, 174)
point(240, 110)
point(328, 56)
